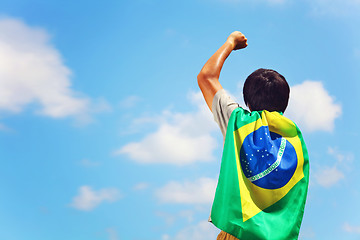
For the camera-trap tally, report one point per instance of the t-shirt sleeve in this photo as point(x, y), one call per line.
point(222, 107)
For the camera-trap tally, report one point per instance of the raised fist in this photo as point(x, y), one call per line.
point(238, 40)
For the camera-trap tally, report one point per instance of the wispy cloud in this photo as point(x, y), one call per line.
point(88, 163)
point(357, 52)
point(351, 228)
point(177, 37)
point(307, 233)
point(113, 234)
point(181, 138)
point(328, 176)
point(32, 71)
point(201, 231)
point(88, 199)
point(312, 107)
point(339, 8)
point(170, 219)
point(271, 2)
point(340, 156)
point(200, 191)
point(276, 1)
point(4, 128)
point(141, 186)
point(129, 101)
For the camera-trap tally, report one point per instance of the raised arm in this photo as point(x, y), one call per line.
point(208, 78)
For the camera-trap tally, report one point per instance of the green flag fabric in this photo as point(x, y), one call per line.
point(263, 179)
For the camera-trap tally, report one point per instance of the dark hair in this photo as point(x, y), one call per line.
point(266, 89)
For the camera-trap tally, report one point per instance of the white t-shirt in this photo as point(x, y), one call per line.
point(222, 107)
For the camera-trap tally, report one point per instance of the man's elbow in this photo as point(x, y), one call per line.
point(200, 78)
point(204, 78)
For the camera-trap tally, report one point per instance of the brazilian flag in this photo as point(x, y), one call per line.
point(263, 179)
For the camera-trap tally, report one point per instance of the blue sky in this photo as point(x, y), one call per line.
point(103, 131)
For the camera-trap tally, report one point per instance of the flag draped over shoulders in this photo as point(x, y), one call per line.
point(263, 179)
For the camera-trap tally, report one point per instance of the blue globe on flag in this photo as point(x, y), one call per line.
point(267, 159)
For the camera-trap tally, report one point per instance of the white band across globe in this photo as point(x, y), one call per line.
point(274, 165)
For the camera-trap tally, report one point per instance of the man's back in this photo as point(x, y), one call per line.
point(263, 179)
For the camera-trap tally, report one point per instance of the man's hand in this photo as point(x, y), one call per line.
point(238, 40)
point(208, 78)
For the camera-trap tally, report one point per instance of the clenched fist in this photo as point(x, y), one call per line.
point(238, 40)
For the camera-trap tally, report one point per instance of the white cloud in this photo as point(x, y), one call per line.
point(201, 191)
point(4, 128)
point(334, 7)
point(276, 1)
point(271, 2)
point(178, 38)
point(351, 228)
point(87, 198)
point(130, 101)
point(168, 218)
point(357, 52)
point(201, 231)
point(141, 186)
point(171, 218)
point(337, 8)
point(341, 157)
point(32, 71)
point(188, 215)
point(88, 163)
point(328, 176)
point(307, 233)
point(312, 108)
point(181, 138)
point(113, 235)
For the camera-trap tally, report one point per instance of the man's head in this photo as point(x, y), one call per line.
point(266, 89)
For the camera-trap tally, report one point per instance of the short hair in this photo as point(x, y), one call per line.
point(266, 89)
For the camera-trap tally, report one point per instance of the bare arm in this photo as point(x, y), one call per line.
point(208, 78)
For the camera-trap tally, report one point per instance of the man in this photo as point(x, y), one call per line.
point(263, 179)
